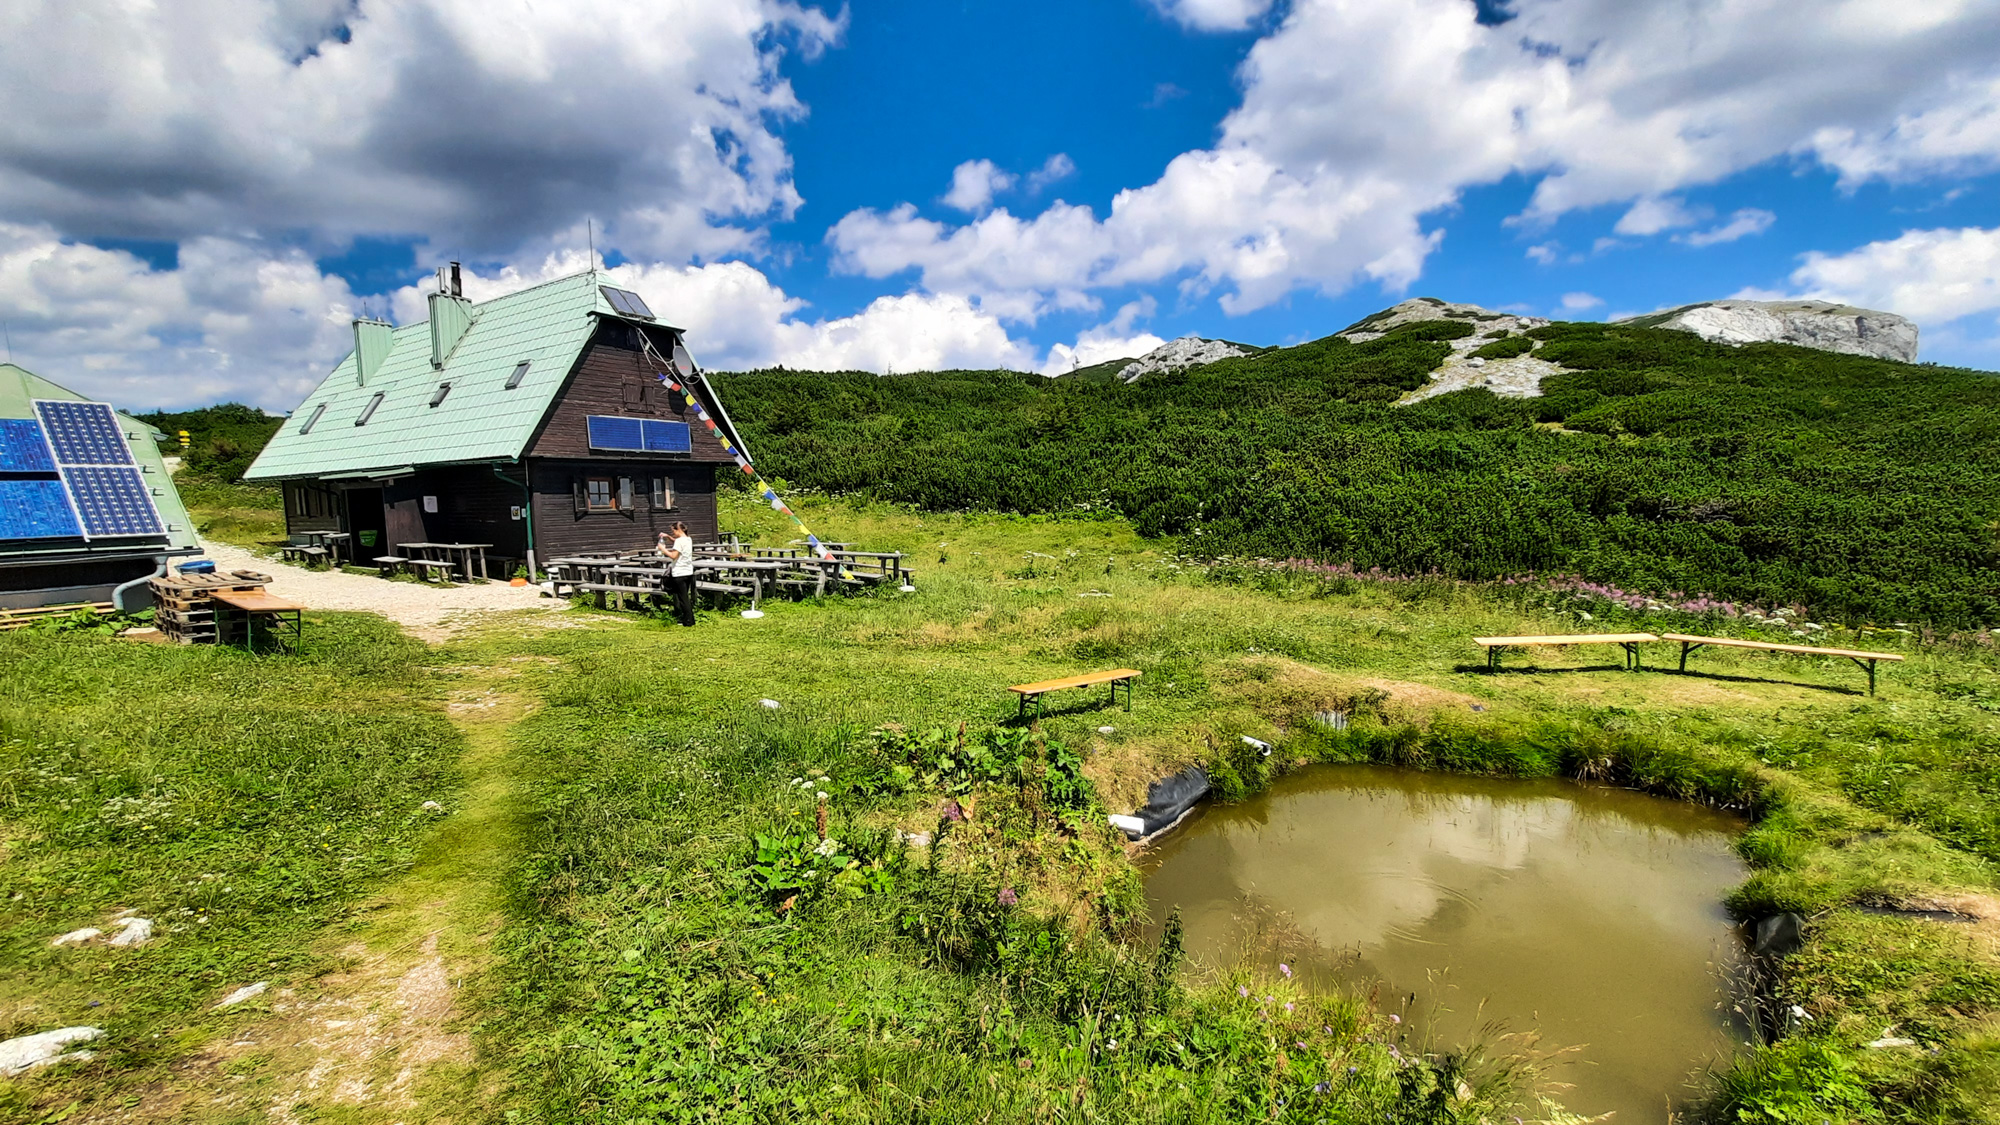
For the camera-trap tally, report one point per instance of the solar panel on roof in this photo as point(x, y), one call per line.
point(668, 437)
point(23, 449)
point(83, 433)
point(112, 501)
point(35, 509)
point(609, 432)
point(626, 301)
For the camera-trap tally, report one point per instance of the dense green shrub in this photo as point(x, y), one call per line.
point(1856, 487)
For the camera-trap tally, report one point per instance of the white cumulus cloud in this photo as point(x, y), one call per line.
point(485, 126)
point(1213, 15)
point(1361, 119)
point(1114, 339)
point(1930, 276)
point(974, 183)
point(1744, 223)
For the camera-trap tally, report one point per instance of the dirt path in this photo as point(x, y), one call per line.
point(383, 1039)
point(426, 611)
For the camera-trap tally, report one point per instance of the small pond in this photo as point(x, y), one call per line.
point(1589, 915)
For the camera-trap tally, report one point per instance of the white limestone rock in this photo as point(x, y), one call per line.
point(1179, 355)
point(247, 992)
point(1514, 377)
point(133, 931)
point(1487, 324)
point(1809, 324)
point(83, 936)
point(18, 1056)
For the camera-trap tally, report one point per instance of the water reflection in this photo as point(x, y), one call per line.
point(1589, 915)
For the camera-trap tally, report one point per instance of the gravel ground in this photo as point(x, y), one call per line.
point(428, 612)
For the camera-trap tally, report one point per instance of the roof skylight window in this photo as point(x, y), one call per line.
point(314, 419)
point(626, 302)
point(368, 411)
point(520, 373)
point(438, 395)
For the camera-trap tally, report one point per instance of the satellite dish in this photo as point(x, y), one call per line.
point(683, 362)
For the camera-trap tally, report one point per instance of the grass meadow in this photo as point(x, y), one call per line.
point(662, 932)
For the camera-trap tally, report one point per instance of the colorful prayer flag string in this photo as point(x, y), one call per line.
point(742, 459)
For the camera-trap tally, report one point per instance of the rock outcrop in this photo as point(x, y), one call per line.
point(1809, 324)
point(1178, 355)
point(1415, 309)
point(1518, 375)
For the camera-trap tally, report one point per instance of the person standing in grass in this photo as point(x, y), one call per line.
point(680, 575)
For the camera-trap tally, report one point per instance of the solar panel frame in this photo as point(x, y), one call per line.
point(83, 433)
point(112, 501)
point(626, 302)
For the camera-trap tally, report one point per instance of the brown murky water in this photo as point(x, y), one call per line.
point(1591, 916)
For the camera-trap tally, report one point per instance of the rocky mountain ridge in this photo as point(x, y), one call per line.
point(1809, 324)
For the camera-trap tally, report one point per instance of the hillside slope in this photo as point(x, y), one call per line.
point(1858, 488)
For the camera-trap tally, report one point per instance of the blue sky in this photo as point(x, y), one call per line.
point(193, 208)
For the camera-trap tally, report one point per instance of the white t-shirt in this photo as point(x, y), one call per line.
point(684, 564)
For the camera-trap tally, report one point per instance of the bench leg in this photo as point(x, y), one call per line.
point(1684, 656)
point(1021, 711)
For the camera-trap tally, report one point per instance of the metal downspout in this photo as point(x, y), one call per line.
point(118, 592)
point(527, 516)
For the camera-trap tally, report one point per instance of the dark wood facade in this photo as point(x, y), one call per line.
point(578, 499)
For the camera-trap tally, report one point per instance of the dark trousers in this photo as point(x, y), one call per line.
point(682, 586)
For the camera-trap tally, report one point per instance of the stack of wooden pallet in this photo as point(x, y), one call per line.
point(184, 604)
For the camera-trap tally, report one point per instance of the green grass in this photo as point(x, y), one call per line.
point(644, 967)
point(246, 515)
point(242, 803)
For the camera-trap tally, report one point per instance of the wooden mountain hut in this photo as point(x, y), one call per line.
point(534, 424)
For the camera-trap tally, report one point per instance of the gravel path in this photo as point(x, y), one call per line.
point(427, 612)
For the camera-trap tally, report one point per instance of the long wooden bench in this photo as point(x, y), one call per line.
point(1036, 690)
point(1862, 659)
point(1630, 642)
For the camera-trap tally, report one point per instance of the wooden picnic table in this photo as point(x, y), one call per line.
point(1630, 642)
point(281, 618)
point(1861, 658)
point(444, 553)
point(1039, 688)
point(330, 541)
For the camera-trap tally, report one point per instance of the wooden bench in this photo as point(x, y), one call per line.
point(1114, 677)
point(1861, 659)
point(303, 554)
point(390, 564)
point(1630, 642)
point(427, 567)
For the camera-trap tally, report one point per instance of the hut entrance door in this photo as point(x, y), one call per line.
point(405, 522)
point(366, 519)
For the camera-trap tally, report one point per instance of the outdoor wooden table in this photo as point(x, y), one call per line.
point(435, 552)
point(335, 543)
point(280, 617)
point(465, 551)
point(1630, 642)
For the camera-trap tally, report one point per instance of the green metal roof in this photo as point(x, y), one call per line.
point(19, 388)
point(480, 419)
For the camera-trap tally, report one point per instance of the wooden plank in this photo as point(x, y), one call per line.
point(1086, 680)
point(255, 602)
point(1568, 639)
point(1771, 646)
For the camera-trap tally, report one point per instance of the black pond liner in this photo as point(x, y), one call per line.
point(1169, 799)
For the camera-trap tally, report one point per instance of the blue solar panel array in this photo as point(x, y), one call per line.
point(668, 437)
point(83, 433)
point(35, 509)
point(22, 448)
point(640, 435)
point(112, 501)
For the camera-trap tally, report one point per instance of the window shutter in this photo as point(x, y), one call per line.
point(625, 494)
point(577, 496)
